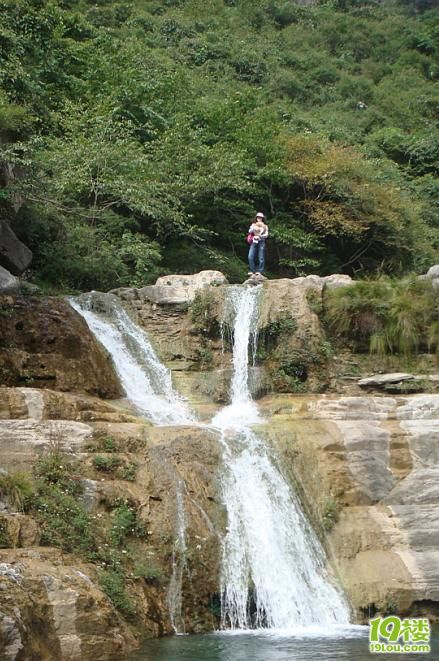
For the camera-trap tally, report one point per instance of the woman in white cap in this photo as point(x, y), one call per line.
point(256, 254)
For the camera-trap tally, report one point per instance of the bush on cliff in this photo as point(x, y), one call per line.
point(386, 316)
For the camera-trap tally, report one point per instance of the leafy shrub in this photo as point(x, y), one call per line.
point(113, 584)
point(109, 444)
point(64, 522)
point(330, 514)
point(149, 571)
point(386, 316)
point(128, 472)
point(124, 523)
point(201, 313)
point(5, 541)
point(58, 470)
point(107, 464)
point(17, 489)
point(285, 382)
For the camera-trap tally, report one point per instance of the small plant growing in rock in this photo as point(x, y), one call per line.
point(201, 314)
point(58, 469)
point(16, 488)
point(204, 355)
point(107, 464)
point(284, 325)
point(390, 607)
point(330, 514)
point(148, 571)
point(5, 542)
point(109, 444)
point(112, 582)
point(128, 472)
point(315, 301)
point(124, 523)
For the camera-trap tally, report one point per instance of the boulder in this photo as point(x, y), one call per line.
point(400, 382)
point(291, 333)
point(433, 275)
point(177, 289)
point(381, 380)
point(45, 343)
point(14, 255)
point(337, 280)
point(9, 284)
point(172, 290)
point(194, 281)
point(433, 272)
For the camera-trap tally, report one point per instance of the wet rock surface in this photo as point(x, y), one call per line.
point(365, 465)
point(367, 469)
point(44, 343)
point(44, 589)
point(52, 608)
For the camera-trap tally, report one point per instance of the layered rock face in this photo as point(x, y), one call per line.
point(52, 609)
point(365, 466)
point(367, 469)
point(59, 594)
point(44, 343)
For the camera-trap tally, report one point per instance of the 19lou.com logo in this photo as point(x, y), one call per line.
point(392, 635)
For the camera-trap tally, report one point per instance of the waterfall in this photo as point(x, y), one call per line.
point(273, 567)
point(274, 572)
point(146, 381)
point(175, 596)
point(242, 308)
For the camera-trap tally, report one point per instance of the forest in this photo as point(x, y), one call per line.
point(143, 136)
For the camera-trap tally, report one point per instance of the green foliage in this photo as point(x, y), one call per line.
point(17, 489)
point(330, 514)
point(386, 316)
point(129, 471)
point(57, 469)
point(149, 571)
point(201, 312)
point(285, 379)
point(109, 444)
point(114, 464)
point(64, 522)
point(107, 464)
point(282, 325)
point(124, 523)
point(147, 134)
point(112, 582)
point(5, 541)
point(204, 356)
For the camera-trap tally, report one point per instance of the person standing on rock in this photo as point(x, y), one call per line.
point(258, 234)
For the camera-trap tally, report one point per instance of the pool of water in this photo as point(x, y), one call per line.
point(351, 644)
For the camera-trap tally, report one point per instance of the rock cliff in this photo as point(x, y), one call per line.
point(365, 465)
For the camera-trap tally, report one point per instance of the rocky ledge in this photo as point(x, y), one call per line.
point(368, 471)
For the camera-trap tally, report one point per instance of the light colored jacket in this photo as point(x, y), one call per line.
point(255, 230)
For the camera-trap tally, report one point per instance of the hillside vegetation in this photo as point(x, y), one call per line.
point(144, 135)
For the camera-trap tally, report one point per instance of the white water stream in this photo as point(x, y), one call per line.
point(274, 570)
point(179, 564)
point(146, 381)
point(273, 566)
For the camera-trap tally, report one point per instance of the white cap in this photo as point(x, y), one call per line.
point(260, 215)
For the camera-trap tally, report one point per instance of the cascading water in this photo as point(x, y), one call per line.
point(146, 381)
point(273, 568)
point(175, 597)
